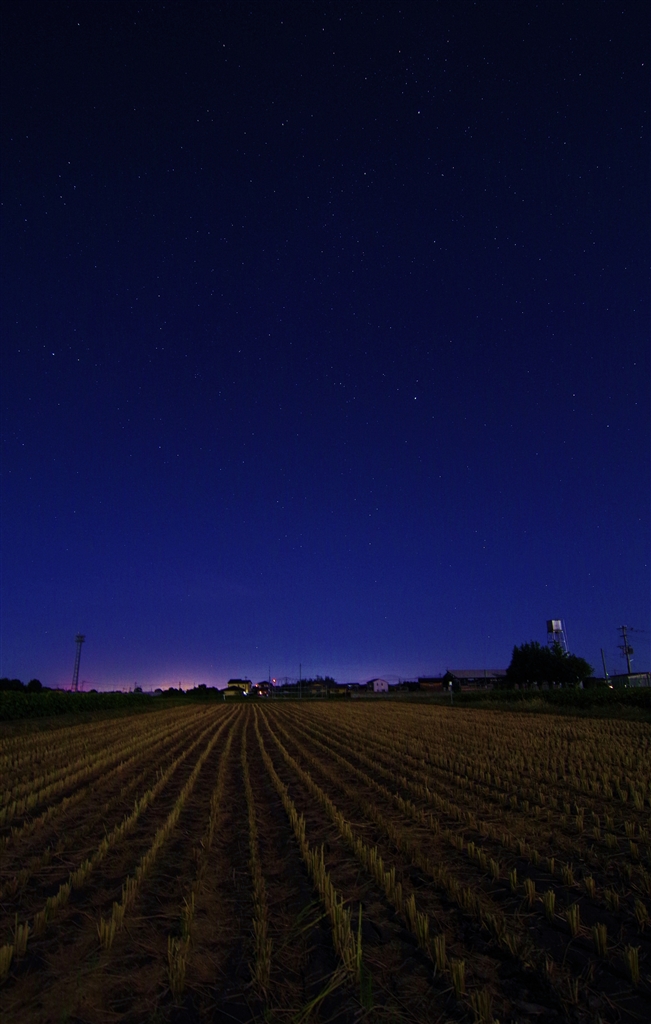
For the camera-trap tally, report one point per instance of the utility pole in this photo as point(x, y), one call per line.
point(603, 662)
point(79, 639)
point(625, 647)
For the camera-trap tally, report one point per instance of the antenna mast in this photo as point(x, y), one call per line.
point(79, 639)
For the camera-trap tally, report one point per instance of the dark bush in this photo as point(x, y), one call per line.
point(46, 703)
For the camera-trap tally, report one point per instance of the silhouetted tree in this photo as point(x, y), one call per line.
point(35, 685)
point(532, 664)
point(11, 684)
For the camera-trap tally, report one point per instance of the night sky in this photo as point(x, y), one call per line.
point(325, 336)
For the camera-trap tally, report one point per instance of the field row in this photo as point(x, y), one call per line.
point(269, 862)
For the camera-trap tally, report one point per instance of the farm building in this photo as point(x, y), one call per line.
point(474, 677)
point(632, 679)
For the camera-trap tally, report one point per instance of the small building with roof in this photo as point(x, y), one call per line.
point(378, 686)
point(237, 688)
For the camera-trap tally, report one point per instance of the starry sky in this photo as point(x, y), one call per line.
point(325, 336)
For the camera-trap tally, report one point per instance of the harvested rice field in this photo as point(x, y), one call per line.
point(326, 861)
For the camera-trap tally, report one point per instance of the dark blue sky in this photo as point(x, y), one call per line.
point(325, 336)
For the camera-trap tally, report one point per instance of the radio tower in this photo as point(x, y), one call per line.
point(79, 639)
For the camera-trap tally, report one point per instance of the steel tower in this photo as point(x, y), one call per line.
point(79, 639)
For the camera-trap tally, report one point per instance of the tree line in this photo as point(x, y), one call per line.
point(33, 686)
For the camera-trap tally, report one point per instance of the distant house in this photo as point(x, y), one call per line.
point(355, 689)
point(378, 685)
point(262, 689)
point(237, 688)
point(312, 688)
